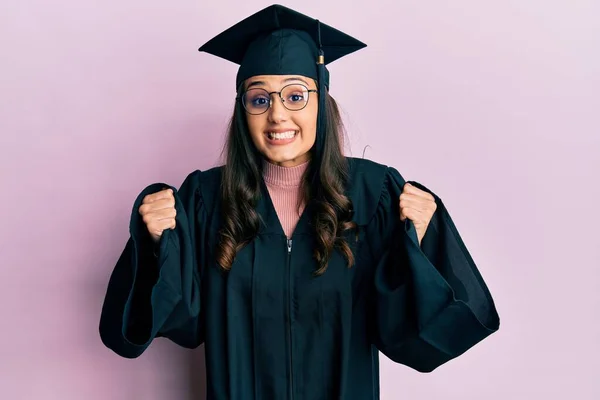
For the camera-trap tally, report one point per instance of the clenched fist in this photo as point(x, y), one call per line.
point(418, 206)
point(158, 212)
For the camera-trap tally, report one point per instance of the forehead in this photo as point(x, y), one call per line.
point(276, 81)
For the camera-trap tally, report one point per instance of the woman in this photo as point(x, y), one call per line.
point(293, 264)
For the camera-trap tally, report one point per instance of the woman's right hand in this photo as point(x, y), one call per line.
point(158, 212)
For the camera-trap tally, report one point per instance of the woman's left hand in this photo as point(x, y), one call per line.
point(418, 206)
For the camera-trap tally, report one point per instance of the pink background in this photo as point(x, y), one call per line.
point(494, 105)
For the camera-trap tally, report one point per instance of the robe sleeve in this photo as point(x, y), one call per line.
point(154, 290)
point(431, 303)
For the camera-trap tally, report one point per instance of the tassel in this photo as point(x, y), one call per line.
point(322, 113)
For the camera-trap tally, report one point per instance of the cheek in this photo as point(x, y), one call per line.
point(308, 123)
point(256, 127)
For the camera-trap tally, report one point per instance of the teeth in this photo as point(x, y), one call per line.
point(282, 135)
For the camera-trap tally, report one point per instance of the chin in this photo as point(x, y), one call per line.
point(280, 158)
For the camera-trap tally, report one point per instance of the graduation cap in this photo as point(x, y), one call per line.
point(280, 41)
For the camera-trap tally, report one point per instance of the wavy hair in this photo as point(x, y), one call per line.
point(322, 186)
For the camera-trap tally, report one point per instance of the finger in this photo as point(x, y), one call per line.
point(406, 195)
point(420, 194)
point(162, 204)
point(410, 200)
point(168, 223)
point(159, 225)
point(158, 215)
point(157, 228)
point(165, 213)
point(163, 194)
point(425, 208)
point(418, 203)
point(411, 213)
point(404, 214)
point(157, 205)
point(410, 189)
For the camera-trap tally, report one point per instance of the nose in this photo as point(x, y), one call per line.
point(277, 112)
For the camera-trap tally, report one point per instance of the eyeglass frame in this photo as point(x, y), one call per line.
point(279, 95)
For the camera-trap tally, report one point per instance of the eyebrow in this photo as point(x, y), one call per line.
point(259, 83)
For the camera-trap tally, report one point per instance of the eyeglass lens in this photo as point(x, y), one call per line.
point(257, 100)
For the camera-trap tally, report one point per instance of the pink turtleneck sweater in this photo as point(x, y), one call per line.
point(283, 184)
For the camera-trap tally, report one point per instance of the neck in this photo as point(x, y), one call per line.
point(278, 175)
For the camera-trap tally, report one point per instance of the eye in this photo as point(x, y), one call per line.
point(297, 97)
point(256, 98)
point(259, 101)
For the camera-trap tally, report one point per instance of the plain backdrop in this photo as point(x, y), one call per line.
point(494, 105)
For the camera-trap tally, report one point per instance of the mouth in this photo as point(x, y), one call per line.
point(280, 138)
point(281, 135)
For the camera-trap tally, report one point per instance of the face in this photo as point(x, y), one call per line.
point(282, 136)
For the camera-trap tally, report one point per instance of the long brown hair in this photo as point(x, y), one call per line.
point(323, 184)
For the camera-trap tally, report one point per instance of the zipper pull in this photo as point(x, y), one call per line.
point(289, 245)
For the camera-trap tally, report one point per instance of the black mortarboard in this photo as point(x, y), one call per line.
point(281, 41)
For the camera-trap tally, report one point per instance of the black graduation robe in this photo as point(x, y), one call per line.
point(273, 330)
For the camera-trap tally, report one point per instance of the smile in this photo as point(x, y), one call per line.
point(281, 135)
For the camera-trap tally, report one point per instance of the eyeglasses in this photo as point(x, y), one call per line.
point(294, 97)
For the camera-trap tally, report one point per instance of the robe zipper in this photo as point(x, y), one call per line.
point(289, 250)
